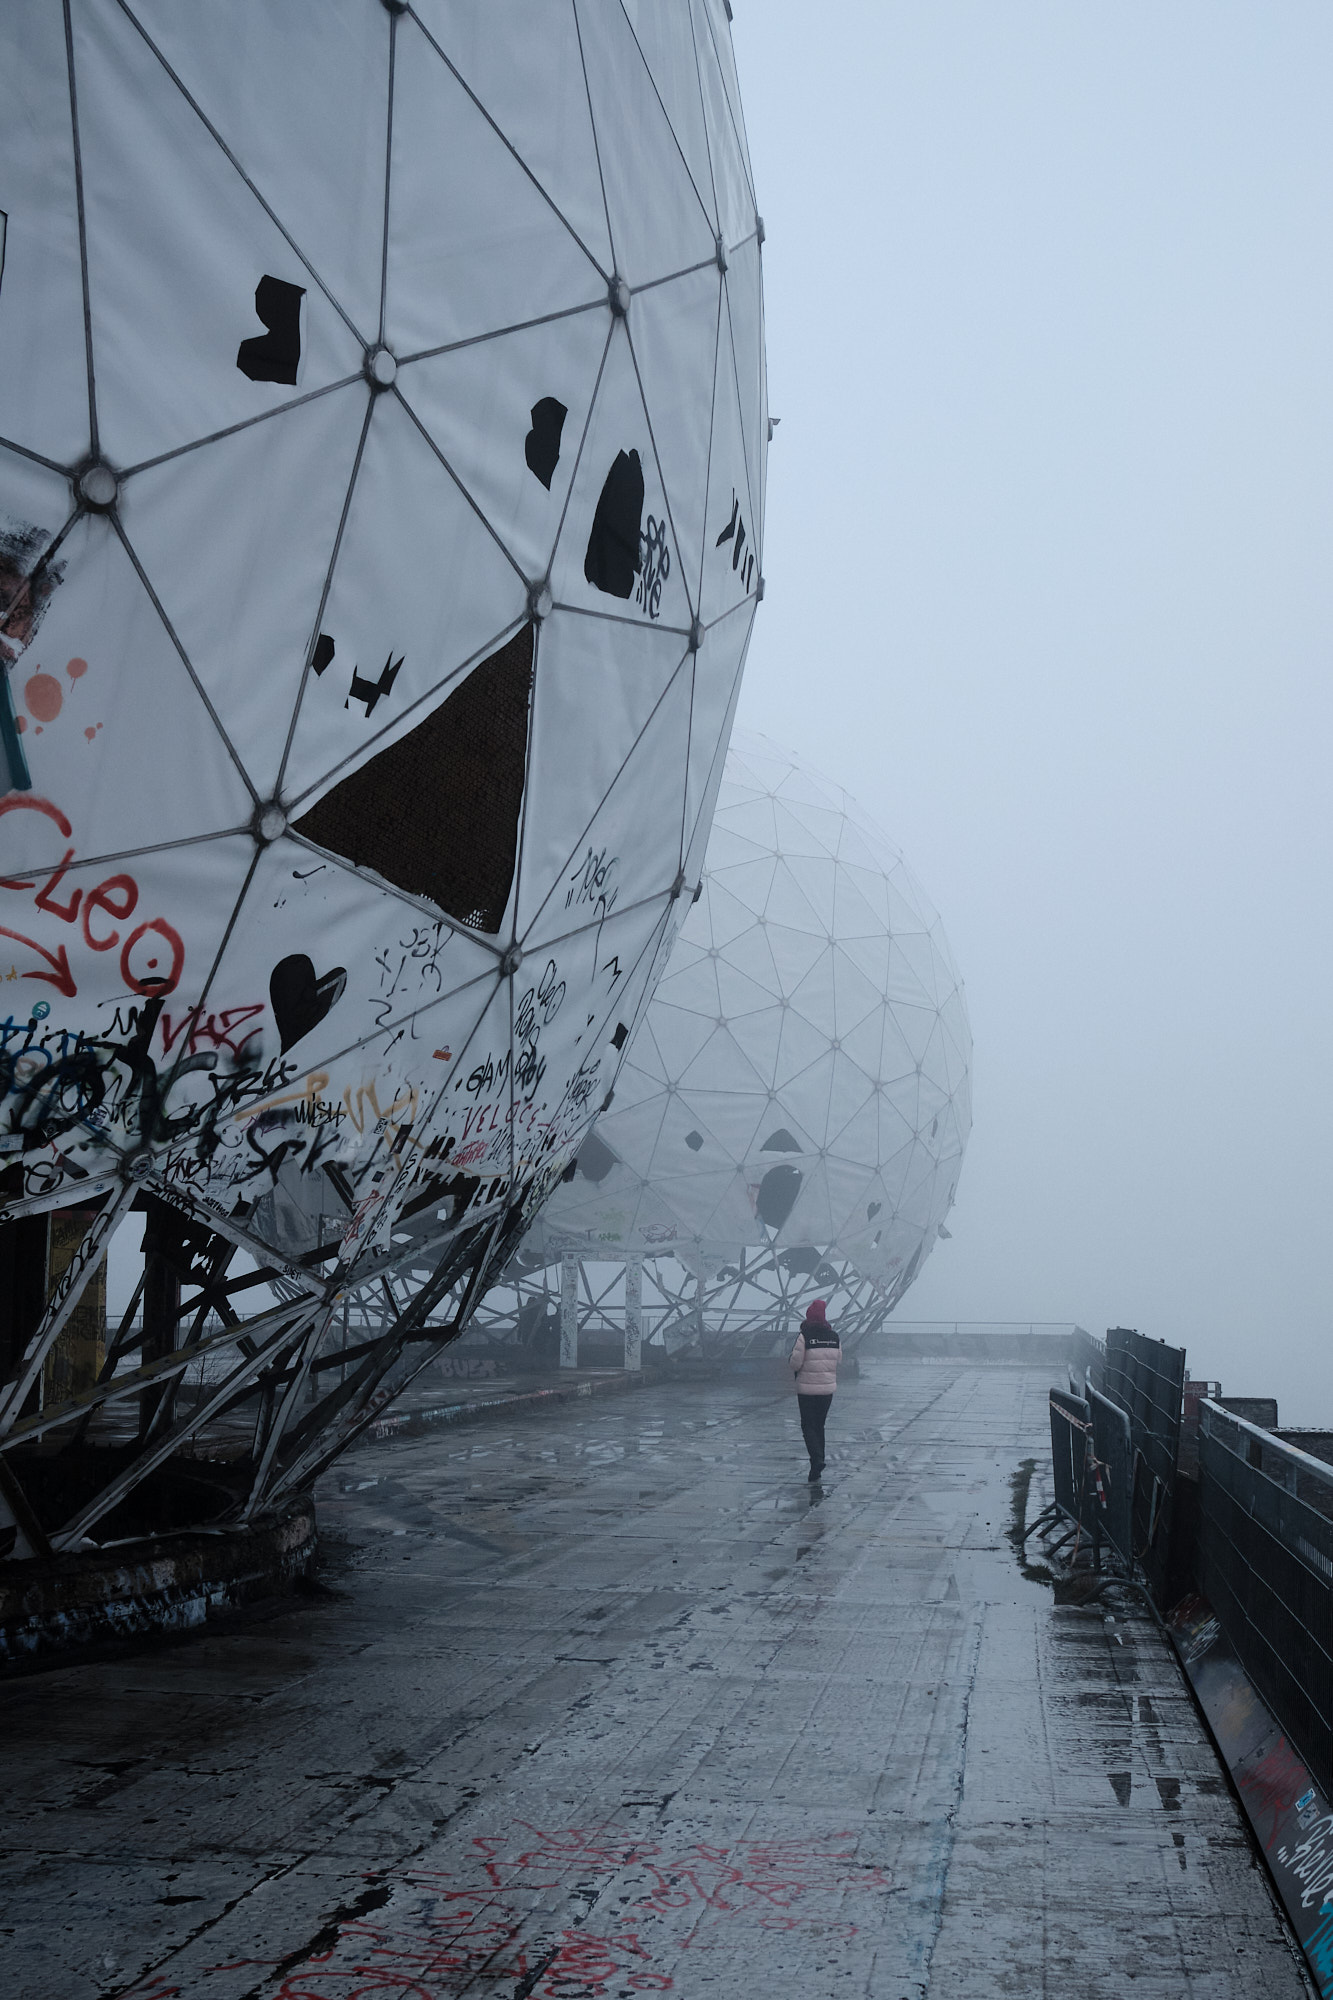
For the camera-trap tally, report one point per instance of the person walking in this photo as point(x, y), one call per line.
point(815, 1359)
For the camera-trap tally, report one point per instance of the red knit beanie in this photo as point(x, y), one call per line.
point(816, 1310)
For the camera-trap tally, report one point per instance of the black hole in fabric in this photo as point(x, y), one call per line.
point(274, 356)
point(595, 1159)
point(781, 1142)
point(436, 813)
point(777, 1195)
point(613, 561)
point(323, 653)
point(541, 446)
point(694, 1140)
point(801, 1261)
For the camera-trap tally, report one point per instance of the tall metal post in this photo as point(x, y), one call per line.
point(695, 1266)
point(569, 1311)
point(634, 1312)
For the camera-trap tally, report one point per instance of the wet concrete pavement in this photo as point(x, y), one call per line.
point(607, 1702)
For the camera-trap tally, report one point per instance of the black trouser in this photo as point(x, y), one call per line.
point(813, 1410)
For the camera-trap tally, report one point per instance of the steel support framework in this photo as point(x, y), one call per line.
point(237, 1392)
point(672, 1311)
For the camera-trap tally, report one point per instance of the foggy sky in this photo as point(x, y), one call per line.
point(1050, 325)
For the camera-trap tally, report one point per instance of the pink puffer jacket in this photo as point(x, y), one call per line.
point(816, 1365)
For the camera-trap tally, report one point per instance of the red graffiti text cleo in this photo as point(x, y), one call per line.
point(96, 912)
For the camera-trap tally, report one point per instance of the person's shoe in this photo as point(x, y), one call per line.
point(816, 1474)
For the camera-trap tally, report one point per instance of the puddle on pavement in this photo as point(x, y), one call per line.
point(1020, 1485)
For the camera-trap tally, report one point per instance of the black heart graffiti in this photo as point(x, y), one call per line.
point(299, 999)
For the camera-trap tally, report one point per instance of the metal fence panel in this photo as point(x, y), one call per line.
point(1088, 1357)
point(1071, 1427)
point(1113, 1485)
point(1266, 1567)
point(1147, 1379)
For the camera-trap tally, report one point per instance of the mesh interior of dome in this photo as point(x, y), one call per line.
point(437, 812)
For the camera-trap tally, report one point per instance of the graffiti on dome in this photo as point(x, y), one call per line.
point(151, 952)
point(654, 566)
point(300, 998)
point(742, 558)
point(190, 1077)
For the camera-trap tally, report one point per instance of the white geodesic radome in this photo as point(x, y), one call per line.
point(800, 1081)
point(382, 456)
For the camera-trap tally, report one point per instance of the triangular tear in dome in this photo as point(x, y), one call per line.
point(437, 812)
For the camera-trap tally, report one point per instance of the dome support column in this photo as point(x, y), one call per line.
point(569, 1311)
point(633, 1313)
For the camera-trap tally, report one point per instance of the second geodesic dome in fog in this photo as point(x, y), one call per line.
point(801, 1080)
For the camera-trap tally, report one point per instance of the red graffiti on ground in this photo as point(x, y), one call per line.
point(435, 1935)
